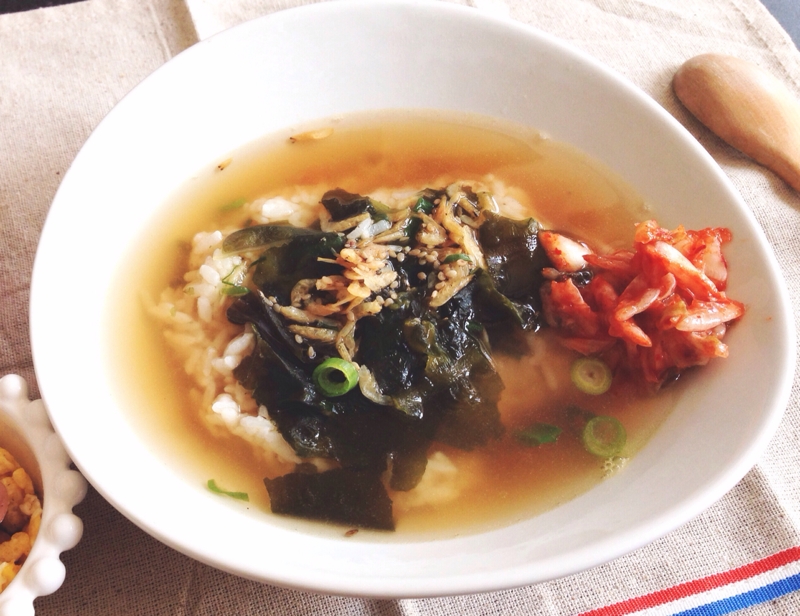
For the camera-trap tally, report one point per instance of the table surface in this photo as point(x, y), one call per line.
point(57, 86)
point(787, 12)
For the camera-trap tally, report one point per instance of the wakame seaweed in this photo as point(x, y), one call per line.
point(342, 205)
point(514, 262)
point(351, 496)
point(426, 372)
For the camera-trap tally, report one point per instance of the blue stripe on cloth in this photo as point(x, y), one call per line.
point(746, 599)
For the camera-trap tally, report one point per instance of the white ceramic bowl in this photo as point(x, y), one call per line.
point(322, 60)
point(25, 432)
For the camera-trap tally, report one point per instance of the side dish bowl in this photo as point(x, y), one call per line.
point(26, 433)
point(292, 67)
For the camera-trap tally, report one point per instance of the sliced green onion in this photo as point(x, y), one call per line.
point(412, 226)
point(212, 485)
point(233, 205)
point(335, 376)
point(591, 375)
point(459, 256)
point(381, 210)
point(538, 434)
point(604, 436)
point(234, 290)
point(423, 205)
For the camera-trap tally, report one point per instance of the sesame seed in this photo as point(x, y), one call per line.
point(435, 293)
point(394, 285)
point(388, 302)
point(430, 258)
point(413, 253)
point(311, 352)
point(439, 285)
point(393, 295)
point(406, 249)
point(422, 275)
point(276, 307)
point(451, 273)
point(298, 339)
point(423, 262)
point(401, 257)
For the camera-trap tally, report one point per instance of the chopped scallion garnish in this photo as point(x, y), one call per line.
point(538, 434)
point(604, 436)
point(234, 290)
point(233, 205)
point(335, 376)
point(591, 375)
point(212, 485)
point(412, 226)
point(423, 205)
point(459, 256)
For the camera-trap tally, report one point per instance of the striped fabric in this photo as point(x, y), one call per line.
point(721, 593)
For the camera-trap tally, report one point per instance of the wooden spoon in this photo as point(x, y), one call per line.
point(747, 107)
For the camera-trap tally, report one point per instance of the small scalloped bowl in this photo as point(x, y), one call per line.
point(25, 432)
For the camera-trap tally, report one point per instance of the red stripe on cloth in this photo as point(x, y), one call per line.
point(697, 586)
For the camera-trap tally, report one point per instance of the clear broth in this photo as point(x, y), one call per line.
point(503, 481)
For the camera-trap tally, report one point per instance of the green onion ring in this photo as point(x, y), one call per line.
point(591, 375)
point(604, 436)
point(335, 376)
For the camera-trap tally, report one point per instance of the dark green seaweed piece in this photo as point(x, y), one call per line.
point(409, 462)
point(514, 258)
point(261, 236)
point(495, 309)
point(275, 375)
point(342, 205)
point(349, 496)
point(466, 388)
point(280, 267)
point(350, 428)
point(383, 347)
point(470, 417)
point(252, 308)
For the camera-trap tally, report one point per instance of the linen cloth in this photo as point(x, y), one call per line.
point(63, 68)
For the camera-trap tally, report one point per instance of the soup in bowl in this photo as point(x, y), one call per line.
point(336, 313)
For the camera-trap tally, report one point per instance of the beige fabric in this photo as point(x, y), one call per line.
point(63, 68)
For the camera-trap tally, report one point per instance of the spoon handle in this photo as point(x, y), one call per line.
point(745, 106)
